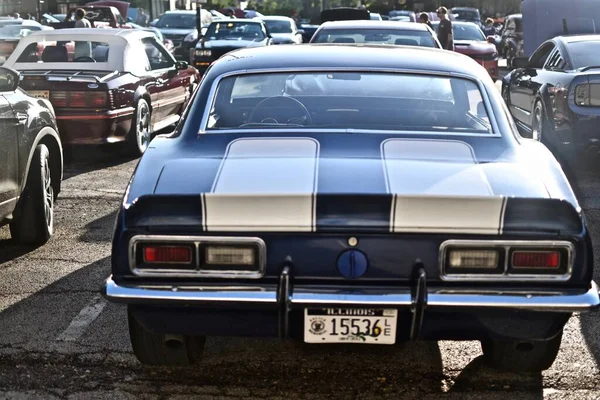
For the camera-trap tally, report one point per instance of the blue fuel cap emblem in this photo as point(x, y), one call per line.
point(352, 264)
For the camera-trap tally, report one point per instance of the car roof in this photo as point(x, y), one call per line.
point(566, 39)
point(181, 12)
point(458, 23)
point(465, 8)
point(236, 20)
point(273, 18)
point(369, 24)
point(335, 56)
point(127, 34)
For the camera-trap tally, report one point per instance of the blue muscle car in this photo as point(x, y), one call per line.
point(340, 194)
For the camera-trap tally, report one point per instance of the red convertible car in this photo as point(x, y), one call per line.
point(470, 40)
point(116, 86)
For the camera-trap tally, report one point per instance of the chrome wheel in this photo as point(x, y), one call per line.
point(48, 195)
point(142, 126)
point(536, 133)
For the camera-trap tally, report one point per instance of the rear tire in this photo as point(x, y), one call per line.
point(160, 349)
point(140, 133)
point(34, 221)
point(521, 356)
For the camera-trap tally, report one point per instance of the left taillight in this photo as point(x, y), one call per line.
point(81, 99)
point(156, 254)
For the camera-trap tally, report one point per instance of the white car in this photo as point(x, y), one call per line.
point(283, 29)
point(376, 17)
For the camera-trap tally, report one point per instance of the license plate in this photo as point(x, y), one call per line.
point(40, 94)
point(341, 325)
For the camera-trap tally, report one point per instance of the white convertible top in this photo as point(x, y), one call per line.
point(119, 42)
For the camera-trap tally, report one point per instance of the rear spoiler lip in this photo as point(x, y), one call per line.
point(77, 76)
point(364, 213)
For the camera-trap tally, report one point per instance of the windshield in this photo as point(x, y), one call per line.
point(234, 31)
point(15, 31)
point(349, 100)
point(584, 53)
point(177, 21)
point(465, 32)
point(466, 15)
point(278, 26)
point(406, 37)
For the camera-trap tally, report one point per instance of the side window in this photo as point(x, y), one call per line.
point(510, 25)
point(158, 56)
point(556, 61)
point(538, 59)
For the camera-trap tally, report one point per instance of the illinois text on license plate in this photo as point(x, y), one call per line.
point(343, 325)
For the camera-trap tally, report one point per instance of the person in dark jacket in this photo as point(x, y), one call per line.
point(445, 34)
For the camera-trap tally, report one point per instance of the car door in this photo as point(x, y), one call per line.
point(169, 87)
point(9, 166)
point(526, 82)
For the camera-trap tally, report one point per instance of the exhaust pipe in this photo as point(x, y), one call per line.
point(173, 341)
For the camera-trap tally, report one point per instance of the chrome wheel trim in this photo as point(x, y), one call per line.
point(537, 125)
point(48, 196)
point(142, 126)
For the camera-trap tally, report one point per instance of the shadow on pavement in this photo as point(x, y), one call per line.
point(91, 158)
point(9, 250)
point(99, 230)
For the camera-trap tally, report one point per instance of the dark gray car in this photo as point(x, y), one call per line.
point(31, 162)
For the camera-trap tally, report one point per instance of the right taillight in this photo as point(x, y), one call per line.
point(535, 259)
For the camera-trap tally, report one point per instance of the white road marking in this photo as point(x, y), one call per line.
point(81, 322)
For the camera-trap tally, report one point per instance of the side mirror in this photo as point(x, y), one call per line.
point(181, 65)
point(300, 32)
point(9, 79)
point(491, 39)
point(520, 62)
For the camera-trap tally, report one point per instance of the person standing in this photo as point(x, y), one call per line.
point(489, 29)
point(424, 19)
point(80, 20)
point(142, 17)
point(445, 35)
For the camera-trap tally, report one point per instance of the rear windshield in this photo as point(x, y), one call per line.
point(278, 26)
point(234, 31)
point(377, 36)
point(177, 21)
point(467, 15)
point(349, 100)
point(65, 52)
point(465, 32)
point(584, 53)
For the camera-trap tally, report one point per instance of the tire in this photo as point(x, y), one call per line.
point(34, 222)
point(539, 125)
point(518, 357)
point(167, 350)
point(506, 95)
point(140, 134)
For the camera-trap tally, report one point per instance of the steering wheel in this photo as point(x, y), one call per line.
point(271, 102)
point(84, 59)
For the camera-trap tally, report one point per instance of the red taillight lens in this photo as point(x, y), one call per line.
point(168, 254)
point(536, 259)
point(78, 99)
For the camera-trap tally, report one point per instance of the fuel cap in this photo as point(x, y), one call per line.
point(352, 264)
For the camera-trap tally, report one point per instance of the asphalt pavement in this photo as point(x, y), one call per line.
point(59, 339)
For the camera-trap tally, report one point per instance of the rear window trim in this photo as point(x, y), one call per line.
point(210, 103)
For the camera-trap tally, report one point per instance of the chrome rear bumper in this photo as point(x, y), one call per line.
point(565, 301)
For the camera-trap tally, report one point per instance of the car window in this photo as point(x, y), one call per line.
point(466, 32)
point(278, 26)
point(377, 36)
point(555, 61)
point(538, 59)
point(158, 57)
point(177, 21)
point(65, 52)
point(235, 31)
point(350, 100)
point(584, 53)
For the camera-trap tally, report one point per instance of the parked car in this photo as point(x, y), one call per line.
point(467, 14)
point(283, 30)
point(31, 162)
point(344, 14)
point(118, 85)
point(412, 16)
point(176, 25)
point(553, 95)
point(11, 34)
point(356, 194)
point(224, 36)
point(470, 40)
point(376, 32)
point(375, 17)
point(166, 42)
point(102, 14)
point(309, 30)
point(512, 38)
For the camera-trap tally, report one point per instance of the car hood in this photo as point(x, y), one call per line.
point(474, 47)
point(172, 31)
point(249, 180)
point(232, 44)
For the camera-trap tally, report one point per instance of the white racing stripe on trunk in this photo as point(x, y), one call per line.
point(264, 184)
point(438, 186)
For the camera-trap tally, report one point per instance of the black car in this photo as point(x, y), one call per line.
point(221, 37)
point(31, 162)
point(344, 14)
point(554, 96)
